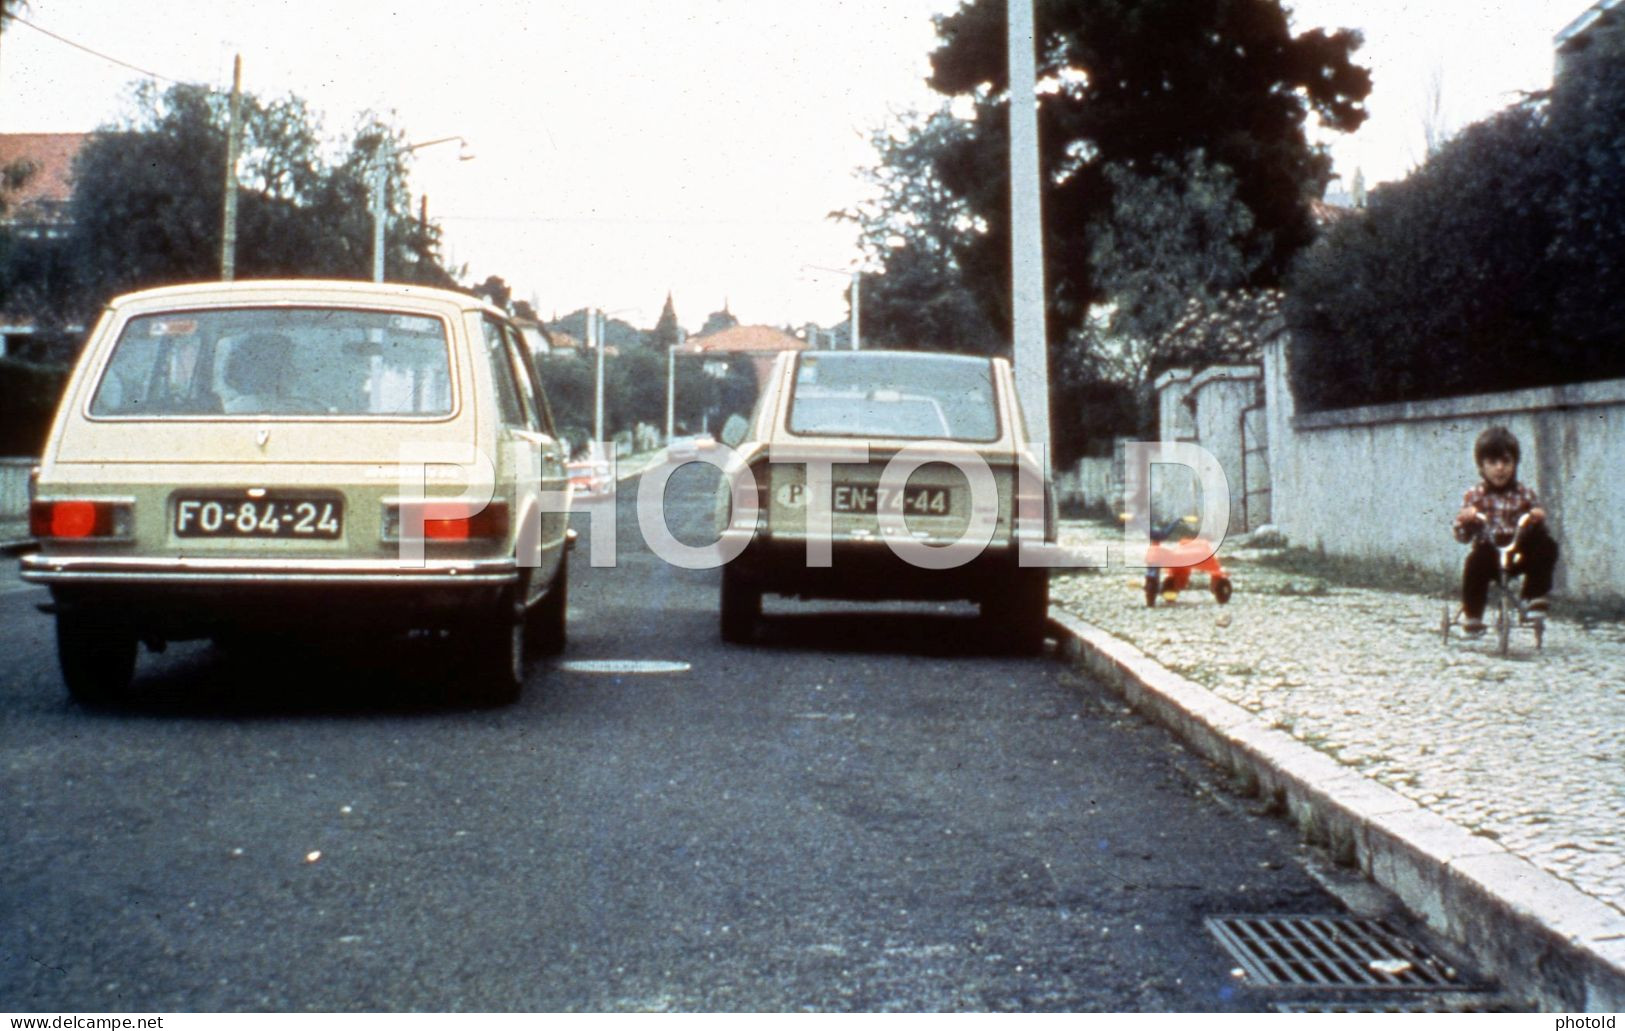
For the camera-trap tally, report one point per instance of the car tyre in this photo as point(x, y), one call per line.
point(1015, 613)
point(548, 631)
point(741, 607)
point(97, 658)
point(495, 671)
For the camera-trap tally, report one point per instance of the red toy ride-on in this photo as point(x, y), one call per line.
point(1169, 563)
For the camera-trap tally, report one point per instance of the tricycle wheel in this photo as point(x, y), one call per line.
point(1221, 589)
point(1150, 590)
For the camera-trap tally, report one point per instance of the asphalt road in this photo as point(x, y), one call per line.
point(864, 811)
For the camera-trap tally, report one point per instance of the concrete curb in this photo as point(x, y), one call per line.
point(1540, 937)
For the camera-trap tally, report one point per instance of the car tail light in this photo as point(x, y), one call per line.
point(452, 522)
point(78, 519)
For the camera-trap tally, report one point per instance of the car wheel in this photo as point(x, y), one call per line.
point(96, 656)
point(1015, 613)
point(494, 671)
point(547, 630)
point(741, 607)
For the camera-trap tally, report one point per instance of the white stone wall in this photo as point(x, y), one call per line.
point(14, 489)
point(1385, 481)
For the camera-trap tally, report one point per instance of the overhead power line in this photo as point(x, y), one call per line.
point(97, 53)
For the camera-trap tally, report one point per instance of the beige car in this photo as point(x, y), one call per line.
point(887, 475)
point(272, 457)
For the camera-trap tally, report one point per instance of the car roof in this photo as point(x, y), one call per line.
point(319, 291)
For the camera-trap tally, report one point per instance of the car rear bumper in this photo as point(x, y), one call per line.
point(98, 569)
point(185, 598)
point(867, 570)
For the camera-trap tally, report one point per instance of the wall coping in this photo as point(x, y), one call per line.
point(1218, 373)
point(1599, 393)
point(1171, 376)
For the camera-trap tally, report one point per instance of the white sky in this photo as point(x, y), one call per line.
point(628, 147)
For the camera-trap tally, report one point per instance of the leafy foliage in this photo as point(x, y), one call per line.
point(28, 399)
point(1137, 82)
point(1497, 265)
point(1177, 184)
point(148, 199)
point(910, 228)
point(667, 331)
point(1174, 246)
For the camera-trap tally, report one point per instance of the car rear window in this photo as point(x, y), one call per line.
point(912, 396)
point(277, 361)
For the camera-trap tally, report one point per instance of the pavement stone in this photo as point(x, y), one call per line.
point(1527, 751)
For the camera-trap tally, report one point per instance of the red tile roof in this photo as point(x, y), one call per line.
point(747, 338)
point(52, 154)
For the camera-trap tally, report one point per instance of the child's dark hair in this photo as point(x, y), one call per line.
point(1495, 442)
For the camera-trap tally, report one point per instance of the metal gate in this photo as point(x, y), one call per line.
point(1255, 468)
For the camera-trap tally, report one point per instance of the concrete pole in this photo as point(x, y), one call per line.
point(234, 136)
point(857, 307)
point(596, 340)
point(380, 182)
point(671, 390)
point(1027, 229)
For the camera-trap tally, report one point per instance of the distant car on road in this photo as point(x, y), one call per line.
point(688, 448)
point(939, 524)
point(232, 459)
point(591, 478)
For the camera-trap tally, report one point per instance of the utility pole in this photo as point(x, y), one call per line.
point(596, 340)
point(380, 182)
point(857, 294)
point(234, 136)
point(1027, 229)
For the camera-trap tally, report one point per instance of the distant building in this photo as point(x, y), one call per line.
point(39, 207)
point(1603, 22)
point(761, 343)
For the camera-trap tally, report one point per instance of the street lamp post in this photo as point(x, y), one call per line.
point(671, 383)
point(853, 321)
point(380, 181)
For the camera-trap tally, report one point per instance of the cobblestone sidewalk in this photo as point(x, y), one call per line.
point(1528, 750)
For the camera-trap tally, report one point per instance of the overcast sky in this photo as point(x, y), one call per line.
point(629, 147)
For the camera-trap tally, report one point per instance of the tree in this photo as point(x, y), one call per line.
point(1175, 243)
point(667, 332)
point(496, 290)
point(920, 298)
point(1132, 82)
point(1446, 284)
point(718, 321)
point(148, 195)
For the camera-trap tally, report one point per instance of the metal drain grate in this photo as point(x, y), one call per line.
point(1336, 953)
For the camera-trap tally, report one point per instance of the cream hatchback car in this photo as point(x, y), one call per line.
point(302, 456)
point(887, 475)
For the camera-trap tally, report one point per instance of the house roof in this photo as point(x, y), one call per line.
point(51, 184)
point(747, 338)
point(1581, 25)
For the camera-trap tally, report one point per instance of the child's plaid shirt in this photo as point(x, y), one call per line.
point(1502, 509)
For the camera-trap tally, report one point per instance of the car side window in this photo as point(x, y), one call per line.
point(530, 387)
point(509, 400)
